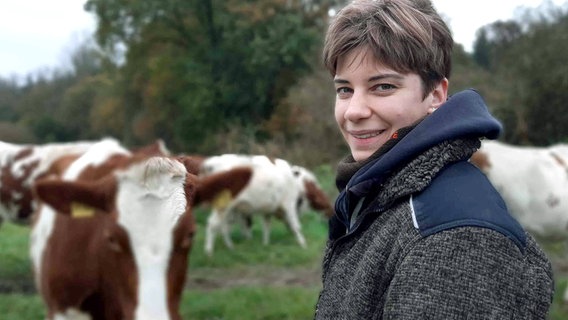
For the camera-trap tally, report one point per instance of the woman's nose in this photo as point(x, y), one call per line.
point(358, 108)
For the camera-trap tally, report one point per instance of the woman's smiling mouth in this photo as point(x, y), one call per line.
point(365, 134)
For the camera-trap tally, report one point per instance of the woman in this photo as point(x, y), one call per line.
point(419, 232)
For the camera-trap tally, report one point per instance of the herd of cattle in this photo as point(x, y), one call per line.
point(112, 228)
point(96, 207)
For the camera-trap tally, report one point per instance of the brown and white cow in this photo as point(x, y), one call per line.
point(276, 189)
point(111, 239)
point(21, 165)
point(533, 181)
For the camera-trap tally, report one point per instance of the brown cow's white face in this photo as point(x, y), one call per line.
point(150, 201)
point(143, 216)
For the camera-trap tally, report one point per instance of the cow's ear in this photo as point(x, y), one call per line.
point(191, 182)
point(192, 163)
point(158, 148)
point(224, 183)
point(80, 199)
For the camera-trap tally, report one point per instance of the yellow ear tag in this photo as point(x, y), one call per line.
point(79, 210)
point(222, 199)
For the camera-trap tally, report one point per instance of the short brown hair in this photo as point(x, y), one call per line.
point(406, 35)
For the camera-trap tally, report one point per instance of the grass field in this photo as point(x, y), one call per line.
point(250, 282)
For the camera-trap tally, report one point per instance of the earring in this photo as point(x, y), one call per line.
point(431, 110)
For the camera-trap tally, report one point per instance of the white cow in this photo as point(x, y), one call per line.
point(276, 189)
point(533, 181)
point(21, 165)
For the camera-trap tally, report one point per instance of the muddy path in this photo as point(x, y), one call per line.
point(207, 279)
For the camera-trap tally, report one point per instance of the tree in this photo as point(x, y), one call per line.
point(546, 88)
point(492, 40)
point(482, 49)
point(10, 93)
point(526, 61)
point(193, 68)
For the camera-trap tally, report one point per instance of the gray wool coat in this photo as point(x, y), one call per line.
point(386, 267)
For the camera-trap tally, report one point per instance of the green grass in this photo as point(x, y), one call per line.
point(243, 303)
point(21, 307)
point(250, 303)
point(558, 310)
point(283, 250)
point(249, 260)
point(14, 248)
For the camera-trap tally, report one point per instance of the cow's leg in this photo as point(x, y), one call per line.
point(291, 216)
point(226, 230)
point(214, 223)
point(246, 221)
point(245, 224)
point(266, 229)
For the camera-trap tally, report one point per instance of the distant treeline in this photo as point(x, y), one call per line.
point(211, 76)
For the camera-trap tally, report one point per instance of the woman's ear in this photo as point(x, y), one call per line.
point(439, 95)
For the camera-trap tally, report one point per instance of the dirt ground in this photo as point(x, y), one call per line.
point(212, 279)
point(205, 279)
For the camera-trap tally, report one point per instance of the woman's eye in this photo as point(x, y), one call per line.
point(384, 87)
point(343, 91)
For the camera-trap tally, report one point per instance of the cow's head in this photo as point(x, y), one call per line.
point(148, 227)
point(311, 195)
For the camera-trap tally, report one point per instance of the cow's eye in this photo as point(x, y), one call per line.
point(113, 242)
point(187, 240)
point(185, 243)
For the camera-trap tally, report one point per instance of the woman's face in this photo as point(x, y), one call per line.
point(373, 101)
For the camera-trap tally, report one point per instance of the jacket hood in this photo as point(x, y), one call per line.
point(464, 115)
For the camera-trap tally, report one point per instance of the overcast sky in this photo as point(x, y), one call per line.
point(37, 34)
